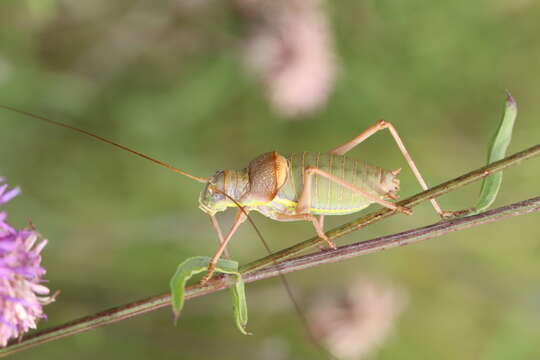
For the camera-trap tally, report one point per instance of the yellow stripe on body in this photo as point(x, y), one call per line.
point(292, 205)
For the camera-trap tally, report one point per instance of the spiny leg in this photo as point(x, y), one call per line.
point(217, 228)
point(321, 221)
point(304, 201)
point(321, 224)
point(238, 220)
point(308, 217)
point(380, 125)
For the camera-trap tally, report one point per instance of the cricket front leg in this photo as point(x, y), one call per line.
point(238, 220)
point(221, 239)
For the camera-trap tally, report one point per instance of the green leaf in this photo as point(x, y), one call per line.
point(497, 151)
point(184, 272)
point(240, 305)
point(199, 264)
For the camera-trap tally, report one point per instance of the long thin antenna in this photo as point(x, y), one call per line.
point(100, 138)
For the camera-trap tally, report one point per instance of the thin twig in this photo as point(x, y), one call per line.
point(253, 272)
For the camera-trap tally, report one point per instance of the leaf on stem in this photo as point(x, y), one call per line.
point(199, 264)
point(497, 151)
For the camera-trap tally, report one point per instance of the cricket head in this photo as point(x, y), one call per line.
point(213, 198)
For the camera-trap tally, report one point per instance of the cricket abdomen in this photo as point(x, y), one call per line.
point(327, 197)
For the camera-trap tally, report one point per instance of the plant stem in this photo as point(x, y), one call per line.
point(265, 268)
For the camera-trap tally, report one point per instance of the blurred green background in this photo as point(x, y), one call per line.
point(165, 78)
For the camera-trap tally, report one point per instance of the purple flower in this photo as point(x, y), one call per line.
point(22, 294)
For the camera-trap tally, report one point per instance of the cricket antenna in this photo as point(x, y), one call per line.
point(105, 140)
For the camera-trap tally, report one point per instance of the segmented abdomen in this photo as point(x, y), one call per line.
point(327, 197)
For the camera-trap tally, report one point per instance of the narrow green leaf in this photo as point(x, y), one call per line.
point(184, 272)
point(497, 151)
point(240, 305)
point(199, 264)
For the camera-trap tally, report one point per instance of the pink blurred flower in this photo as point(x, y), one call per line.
point(289, 47)
point(22, 294)
point(355, 325)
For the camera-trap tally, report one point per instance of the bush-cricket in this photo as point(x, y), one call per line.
point(304, 186)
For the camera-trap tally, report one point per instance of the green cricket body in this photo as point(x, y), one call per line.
point(272, 184)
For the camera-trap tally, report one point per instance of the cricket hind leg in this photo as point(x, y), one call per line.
point(381, 125)
point(304, 201)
